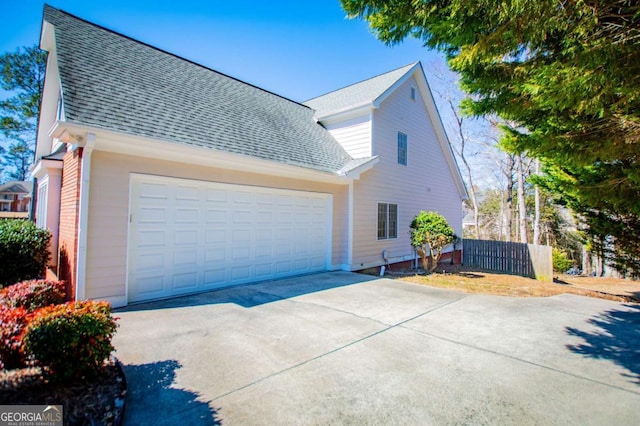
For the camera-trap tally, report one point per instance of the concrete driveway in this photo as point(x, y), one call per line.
point(339, 348)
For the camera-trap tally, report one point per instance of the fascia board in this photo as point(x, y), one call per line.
point(138, 146)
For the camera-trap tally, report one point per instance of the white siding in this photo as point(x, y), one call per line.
point(425, 183)
point(108, 213)
point(354, 135)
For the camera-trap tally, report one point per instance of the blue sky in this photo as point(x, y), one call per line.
point(297, 49)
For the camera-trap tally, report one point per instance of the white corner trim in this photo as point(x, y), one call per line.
point(83, 216)
point(350, 205)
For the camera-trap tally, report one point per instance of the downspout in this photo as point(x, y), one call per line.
point(83, 216)
point(350, 225)
point(34, 200)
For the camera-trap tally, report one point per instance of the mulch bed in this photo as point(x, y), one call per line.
point(99, 401)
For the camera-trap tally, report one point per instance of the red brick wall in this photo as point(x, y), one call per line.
point(407, 265)
point(68, 232)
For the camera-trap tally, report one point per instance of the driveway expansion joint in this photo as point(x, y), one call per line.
point(362, 339)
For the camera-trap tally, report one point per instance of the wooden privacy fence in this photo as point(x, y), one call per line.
point(526, 260)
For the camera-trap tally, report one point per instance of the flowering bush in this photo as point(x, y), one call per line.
point(12, 324)
point(32, 294)
point(71, 340)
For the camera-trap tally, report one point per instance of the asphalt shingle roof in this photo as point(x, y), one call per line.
point(365, 91)
point(17, 187)
point(113, 82)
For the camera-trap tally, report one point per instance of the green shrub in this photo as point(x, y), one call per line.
point(12, 324)
point(71, 340)
point(561, 262)
point(24, 251)
point(32, 294)
point(430, 234)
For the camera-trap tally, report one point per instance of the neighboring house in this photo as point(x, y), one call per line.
point(15, 199)
point(160, 177)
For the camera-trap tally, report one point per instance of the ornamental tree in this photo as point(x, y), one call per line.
point(430, 233)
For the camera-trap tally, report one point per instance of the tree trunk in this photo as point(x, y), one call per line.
point(460, 151)
point(522, 208)
point(536, 220)
point(509, 209)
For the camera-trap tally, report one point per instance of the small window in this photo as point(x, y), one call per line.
point(413, 93)
point(387, 221)
point(402, 148)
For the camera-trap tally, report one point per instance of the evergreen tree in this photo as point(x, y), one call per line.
point(566, 73)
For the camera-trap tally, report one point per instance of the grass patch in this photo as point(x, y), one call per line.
point(474, 281)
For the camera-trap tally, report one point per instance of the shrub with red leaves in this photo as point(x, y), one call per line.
point(72, 340)
point(12, 324)
point(32, 294)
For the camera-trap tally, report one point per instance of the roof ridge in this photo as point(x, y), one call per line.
point(362, 81)
point(46, 5)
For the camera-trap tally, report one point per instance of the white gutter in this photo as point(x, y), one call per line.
point(83, 216)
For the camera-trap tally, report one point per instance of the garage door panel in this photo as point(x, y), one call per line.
point(216, 216)
point(153, 215)
point(214, 255)
point(149, 287)
point(184, 237)
point(153, 190)
point(264, 217)
point(185, 281)
point(151, 261)
point(264, 251)
point(187, 193)
point(283, 267)
point(182, 258)
point(150, 238)
point(214, 277)
point(187, 216)
point(241, 253)
point(189, 236)
point(240, 273)
point(264, 235)
point(213, 237)
point(317, 263)
point(242, 216)
point(242, 236)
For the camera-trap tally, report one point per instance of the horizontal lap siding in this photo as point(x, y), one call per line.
point(354, 135)
point(109, 204)
point(426, 183)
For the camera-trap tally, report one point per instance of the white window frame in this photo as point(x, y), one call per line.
point(403, 149)
point(413, 93)
point(41, 204)
point(389, 233)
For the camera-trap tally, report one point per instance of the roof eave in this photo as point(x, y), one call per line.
point(384, 95)
point(354, 173)
point(141, 146)
point(344, 113)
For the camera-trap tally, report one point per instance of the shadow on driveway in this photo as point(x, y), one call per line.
point(151, 399)
point(251, 295)
point(617, 339)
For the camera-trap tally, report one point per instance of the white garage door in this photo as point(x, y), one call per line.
point(187, 236)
